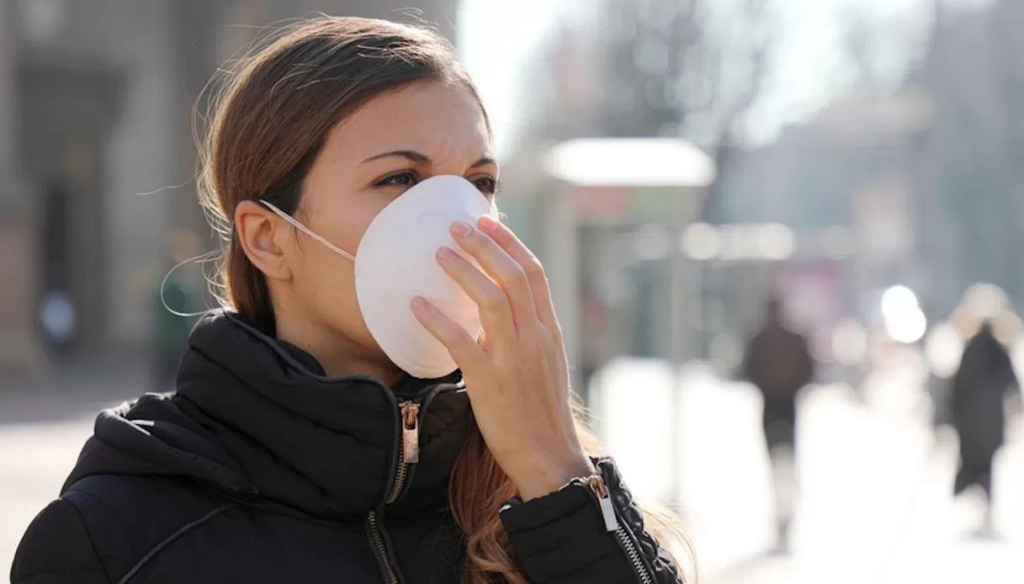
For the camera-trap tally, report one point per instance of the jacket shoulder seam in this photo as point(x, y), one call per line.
point(76, 489)
point(92, 544)
point(171, 539)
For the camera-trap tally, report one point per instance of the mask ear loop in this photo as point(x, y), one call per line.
point(295, 223)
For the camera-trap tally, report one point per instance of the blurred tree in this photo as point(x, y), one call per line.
point(689, 68)
point(683, 68)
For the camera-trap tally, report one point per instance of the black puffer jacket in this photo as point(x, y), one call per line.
point(260, 469)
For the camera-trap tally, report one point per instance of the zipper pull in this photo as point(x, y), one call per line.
point(410, 432)
point(597, 484)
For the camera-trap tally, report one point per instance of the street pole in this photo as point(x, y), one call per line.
point(677, 348)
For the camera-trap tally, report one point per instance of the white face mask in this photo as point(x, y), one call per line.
point(395, 262)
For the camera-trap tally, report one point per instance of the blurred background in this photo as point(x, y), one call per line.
point(784, 239)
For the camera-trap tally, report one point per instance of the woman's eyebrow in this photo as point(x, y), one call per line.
point(420, 158)
point(484, 161)
point(417, 157)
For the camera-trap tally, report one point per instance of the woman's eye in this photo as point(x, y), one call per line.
point(487, 185)
point(401, 179)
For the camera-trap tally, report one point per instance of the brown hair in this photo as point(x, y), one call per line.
point(265, 130)
point(271, 119)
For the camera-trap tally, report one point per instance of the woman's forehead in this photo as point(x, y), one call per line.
point(442, 121)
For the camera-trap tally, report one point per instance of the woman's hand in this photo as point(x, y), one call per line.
point(517, 378)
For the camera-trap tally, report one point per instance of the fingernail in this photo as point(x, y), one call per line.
point(445, 253)
point(460, 228)
point(487, 223)
point(418, 302)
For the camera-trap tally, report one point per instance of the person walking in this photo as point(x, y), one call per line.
point(981, 384)
point(778, 362)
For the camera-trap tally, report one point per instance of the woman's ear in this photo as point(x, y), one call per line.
point(264, 238)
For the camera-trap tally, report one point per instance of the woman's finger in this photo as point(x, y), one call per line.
point(531, 266)
point(500, 266)
point(495, 311)
point(467, 353)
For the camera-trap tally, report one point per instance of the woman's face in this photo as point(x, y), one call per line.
point(393, 142)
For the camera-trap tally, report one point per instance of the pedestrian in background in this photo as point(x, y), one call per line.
point(778, 362)
point(980, 387)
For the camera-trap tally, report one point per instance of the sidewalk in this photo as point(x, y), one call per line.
point(44, 420)
point(74, 388)
point(876, 504)
point(875, 485)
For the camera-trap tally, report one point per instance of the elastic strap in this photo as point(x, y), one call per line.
point(295, 223)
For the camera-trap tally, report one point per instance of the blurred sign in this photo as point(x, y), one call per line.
point(631, 162)
point(633, 204)
point(600, 202)
point(739, 242)
point(813, 293)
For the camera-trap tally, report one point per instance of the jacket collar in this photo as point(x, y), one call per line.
point(328, 446)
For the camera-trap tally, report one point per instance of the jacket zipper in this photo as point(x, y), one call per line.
point(378, 543)
point(611, 523)
point(408, 454)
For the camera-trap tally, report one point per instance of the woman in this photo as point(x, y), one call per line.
point(295, 448)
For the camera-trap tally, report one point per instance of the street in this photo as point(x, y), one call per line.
point(43, 424)
point(874, 506)
point(875, 498)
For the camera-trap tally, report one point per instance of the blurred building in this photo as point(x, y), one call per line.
point(96, 106)
point(927, 180)
point(845, 182)
point(971, 162)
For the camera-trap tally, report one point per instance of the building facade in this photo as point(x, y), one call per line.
point(97, 154)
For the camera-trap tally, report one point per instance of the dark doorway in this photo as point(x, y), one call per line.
point(67, 116)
